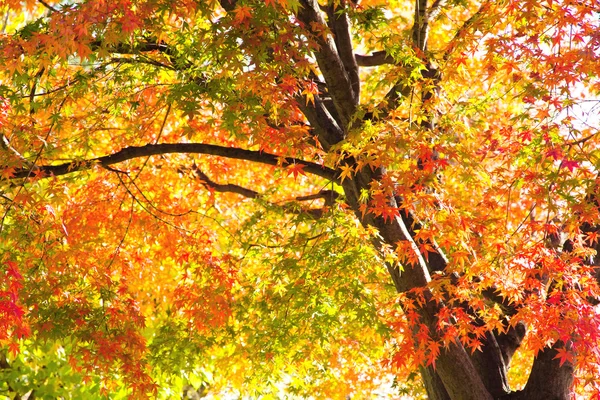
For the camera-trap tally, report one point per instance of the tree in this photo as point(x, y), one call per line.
point(300, 197)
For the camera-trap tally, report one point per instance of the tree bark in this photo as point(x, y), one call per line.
point(457, 375)
point(548, 379)
point(132, 152)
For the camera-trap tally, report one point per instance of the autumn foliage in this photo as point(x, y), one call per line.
point(300, 198)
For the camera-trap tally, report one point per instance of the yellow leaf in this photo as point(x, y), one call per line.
point(347, 172)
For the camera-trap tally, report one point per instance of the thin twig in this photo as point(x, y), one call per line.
point(48, 6)
point(162, 127)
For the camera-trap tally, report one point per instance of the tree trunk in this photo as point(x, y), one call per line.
point(457, 375)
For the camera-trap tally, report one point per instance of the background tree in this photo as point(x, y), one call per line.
point(300, 197)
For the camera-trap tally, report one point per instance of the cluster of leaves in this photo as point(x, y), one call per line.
point(139, 273)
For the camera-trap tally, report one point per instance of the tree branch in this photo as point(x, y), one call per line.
point(457, 372)
point(465, 27)
point(374, 59)
point(340, 26)
point(510, 341)
point(419, 37)
point(491, 366)
point(149, 61)
point(433, 384)
point(48, 6)
point(5, 144)
point(403, 89)
point(548, 378)
point(225, 188)
point(421, 24)
point(330, 64)
point(328, 195)
point(228, 5)
point(392, 98)
point(132, 152)
point(434, 10)
point(325, 125)
point(491, 293)
point(142, 47)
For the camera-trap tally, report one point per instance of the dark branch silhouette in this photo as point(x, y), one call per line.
point(129, 153)
point(375, 59)
point(329, 196)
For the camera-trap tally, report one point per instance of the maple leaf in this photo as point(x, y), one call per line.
point(8, 172)
point(289, 84)
point(388, 213)
point(347, 171)
point(310, 91)
point(571, 165)
point(461, 59)
point(425, 248)
point(564, 355)
point(295, 169)
point(14, 348)
point(129, 22)
point(242, 13)
point(274, 3)
point(461, 257)
point(555, 153)
point(319, 29)
point(543, 114)
point(363, 209)
point(592, 237)
point(13, 270)
point(525, 135)
point(434, 352)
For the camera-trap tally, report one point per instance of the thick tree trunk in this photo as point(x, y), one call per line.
point(455, 371)
point(433, 384)
point(549, 380)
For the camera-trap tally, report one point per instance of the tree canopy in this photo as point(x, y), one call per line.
point(308, 198)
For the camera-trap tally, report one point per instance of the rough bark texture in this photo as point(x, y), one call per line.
point(339, 84)
point(132, 152)
point(548, 379)
point(433, 384)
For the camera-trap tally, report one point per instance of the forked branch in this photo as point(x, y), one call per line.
point(331, 65)
point(374, 59)
point(329, 196)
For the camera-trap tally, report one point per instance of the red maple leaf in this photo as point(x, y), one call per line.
point(296, 169)
point(564, 355)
